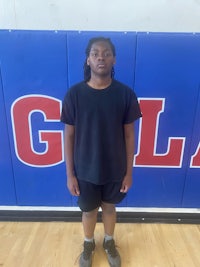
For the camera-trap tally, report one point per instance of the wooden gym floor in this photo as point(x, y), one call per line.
point(59, 244)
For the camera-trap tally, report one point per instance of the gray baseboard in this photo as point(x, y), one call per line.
point(122, 217)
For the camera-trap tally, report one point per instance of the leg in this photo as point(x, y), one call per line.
point(89, 202)
point(89, 220)
point(109, 218)
point(110, 194)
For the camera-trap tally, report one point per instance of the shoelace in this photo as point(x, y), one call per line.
point(88, 248)
point(110, 247)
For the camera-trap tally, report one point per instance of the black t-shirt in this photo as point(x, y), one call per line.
point(99, 117)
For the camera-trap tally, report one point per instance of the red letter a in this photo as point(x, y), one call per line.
point(195, 160)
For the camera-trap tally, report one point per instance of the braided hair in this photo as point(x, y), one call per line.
point(86, 67)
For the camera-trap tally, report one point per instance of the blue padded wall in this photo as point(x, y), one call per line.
point(7, 185)
point(167, 67)
point(191, 196)
point(34, 65)
point(37, 68)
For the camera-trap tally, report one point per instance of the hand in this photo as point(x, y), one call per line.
point(126, 184)
point(72, 185)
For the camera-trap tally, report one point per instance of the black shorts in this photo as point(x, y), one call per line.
point(91, 195)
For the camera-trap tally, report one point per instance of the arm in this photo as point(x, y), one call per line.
point(72, 182)
point(129, 140)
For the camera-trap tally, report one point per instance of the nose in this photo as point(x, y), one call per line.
point(101, 56)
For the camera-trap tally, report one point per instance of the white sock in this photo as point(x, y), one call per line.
point(89, 239)
point(108, 237)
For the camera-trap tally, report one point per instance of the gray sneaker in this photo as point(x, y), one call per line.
point(86, 255)
point(112, 253)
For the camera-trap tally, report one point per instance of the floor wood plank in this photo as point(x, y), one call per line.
point(59, 244)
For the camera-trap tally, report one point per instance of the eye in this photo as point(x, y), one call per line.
point(107, 54)
point(94, 54)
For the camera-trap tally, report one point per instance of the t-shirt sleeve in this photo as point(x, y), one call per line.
point(133, 111)
point(68, 109)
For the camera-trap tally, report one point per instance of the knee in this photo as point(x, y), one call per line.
point(90, 214)
point(108, 208)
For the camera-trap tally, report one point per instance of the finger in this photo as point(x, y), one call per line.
point(124, 189)
point(73, 190)
point(77, 191)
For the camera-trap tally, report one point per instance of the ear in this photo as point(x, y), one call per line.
point(88, 62)
point(114, 61)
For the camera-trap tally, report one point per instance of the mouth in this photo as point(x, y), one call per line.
point(101, 65)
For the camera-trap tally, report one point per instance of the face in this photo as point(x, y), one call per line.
point(101, 59)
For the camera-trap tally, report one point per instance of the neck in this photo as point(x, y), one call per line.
point(99, 83)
